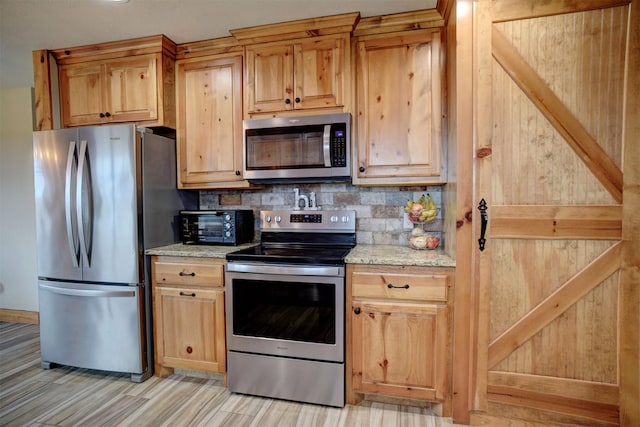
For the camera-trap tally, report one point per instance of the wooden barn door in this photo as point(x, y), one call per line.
point(550, 108)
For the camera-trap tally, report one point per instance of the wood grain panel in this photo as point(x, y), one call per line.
point(556, 222)
point(405, 352)
point(580, 343)
point(43, 107)
point(555, 304)
point(209, 128)
point(510, 10)
point(608, 173)
point(400, 108)
point(580, 390)
point(629, 289)
point(421, 287)
point(188, 271)
point(571, 52)
point(563, 403)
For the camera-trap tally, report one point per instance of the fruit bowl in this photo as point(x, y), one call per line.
point(422, 211)
point(425, 241)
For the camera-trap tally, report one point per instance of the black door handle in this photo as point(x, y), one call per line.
point(392, 286)
point(484, 218)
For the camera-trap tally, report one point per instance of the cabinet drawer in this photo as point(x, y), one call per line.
point(188, 271)
point(420, 287)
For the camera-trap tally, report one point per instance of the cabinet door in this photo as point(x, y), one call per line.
point(319, 73)
point(399, 109)
point(190, 328)
point(269, 78)
point(399, 349)
point(210, 123)
point(81, 94)
point(131, 89)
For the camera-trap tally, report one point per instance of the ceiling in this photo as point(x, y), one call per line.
point(28, 25)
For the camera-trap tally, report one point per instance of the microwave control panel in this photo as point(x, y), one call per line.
point(338, 145)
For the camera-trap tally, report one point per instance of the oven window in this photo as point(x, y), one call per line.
point(284, 310)
point(210, 227)
point(291, 148)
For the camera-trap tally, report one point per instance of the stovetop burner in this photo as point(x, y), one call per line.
point(302, 237)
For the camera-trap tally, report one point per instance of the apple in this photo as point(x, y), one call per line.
point(432, 242)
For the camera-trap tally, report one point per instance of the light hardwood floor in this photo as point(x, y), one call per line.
point(31, 396)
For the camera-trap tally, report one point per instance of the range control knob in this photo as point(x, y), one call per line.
point(334, 218)
point(228, 233)
point(345, 218)
point(227, 225)
point(227, 217)
point(278, 218)
point(267, 218)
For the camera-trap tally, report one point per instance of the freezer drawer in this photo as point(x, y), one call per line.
point(93, 326)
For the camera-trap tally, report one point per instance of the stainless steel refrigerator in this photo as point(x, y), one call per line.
point(103, 195)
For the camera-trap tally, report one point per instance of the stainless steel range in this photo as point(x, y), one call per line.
point(285, 307)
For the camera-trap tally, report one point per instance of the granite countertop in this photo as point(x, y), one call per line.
point(200, 251)
point(361, 254)
point(398, 255)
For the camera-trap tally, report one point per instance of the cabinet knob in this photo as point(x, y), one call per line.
point(108, 114)
point(356, 310)
point(297, 100)
point(238, 173)
point(189, 349)
point(102, 115)
point(362, 169)
point(287, 101)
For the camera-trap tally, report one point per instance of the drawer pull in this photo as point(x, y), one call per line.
point(356, 310)
point(192, 274)
point(189, 349)
point(187, 294)
point(392, 286)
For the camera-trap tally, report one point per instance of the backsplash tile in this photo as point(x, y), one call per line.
point(379, 210)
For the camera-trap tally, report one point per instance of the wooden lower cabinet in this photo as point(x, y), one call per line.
point(188, 314)
point(398, 333)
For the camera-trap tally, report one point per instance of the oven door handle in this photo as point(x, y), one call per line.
point(302, 270)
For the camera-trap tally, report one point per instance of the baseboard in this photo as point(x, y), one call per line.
point(19, 316)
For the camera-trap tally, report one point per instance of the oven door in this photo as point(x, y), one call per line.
point(283, 310)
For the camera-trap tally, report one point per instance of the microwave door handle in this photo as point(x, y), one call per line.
point(72, 237)
point(326, 146)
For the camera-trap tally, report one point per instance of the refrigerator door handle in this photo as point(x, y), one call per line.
point(72, 237)
point(88, 292)
point(84, 203)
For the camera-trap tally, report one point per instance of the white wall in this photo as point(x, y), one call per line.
point(18, 276)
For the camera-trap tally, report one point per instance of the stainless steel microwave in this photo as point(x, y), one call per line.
point(302, 148)
point(231, 227)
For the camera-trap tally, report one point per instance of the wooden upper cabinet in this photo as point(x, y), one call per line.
point(132, 84)
point(109, 91)
point(82, 94)
point(298, 66)
point(210, 122)
point(400, 109)
point(306, 74)
point(105, 83)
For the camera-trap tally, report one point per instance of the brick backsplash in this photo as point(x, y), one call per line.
point(380, 217)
